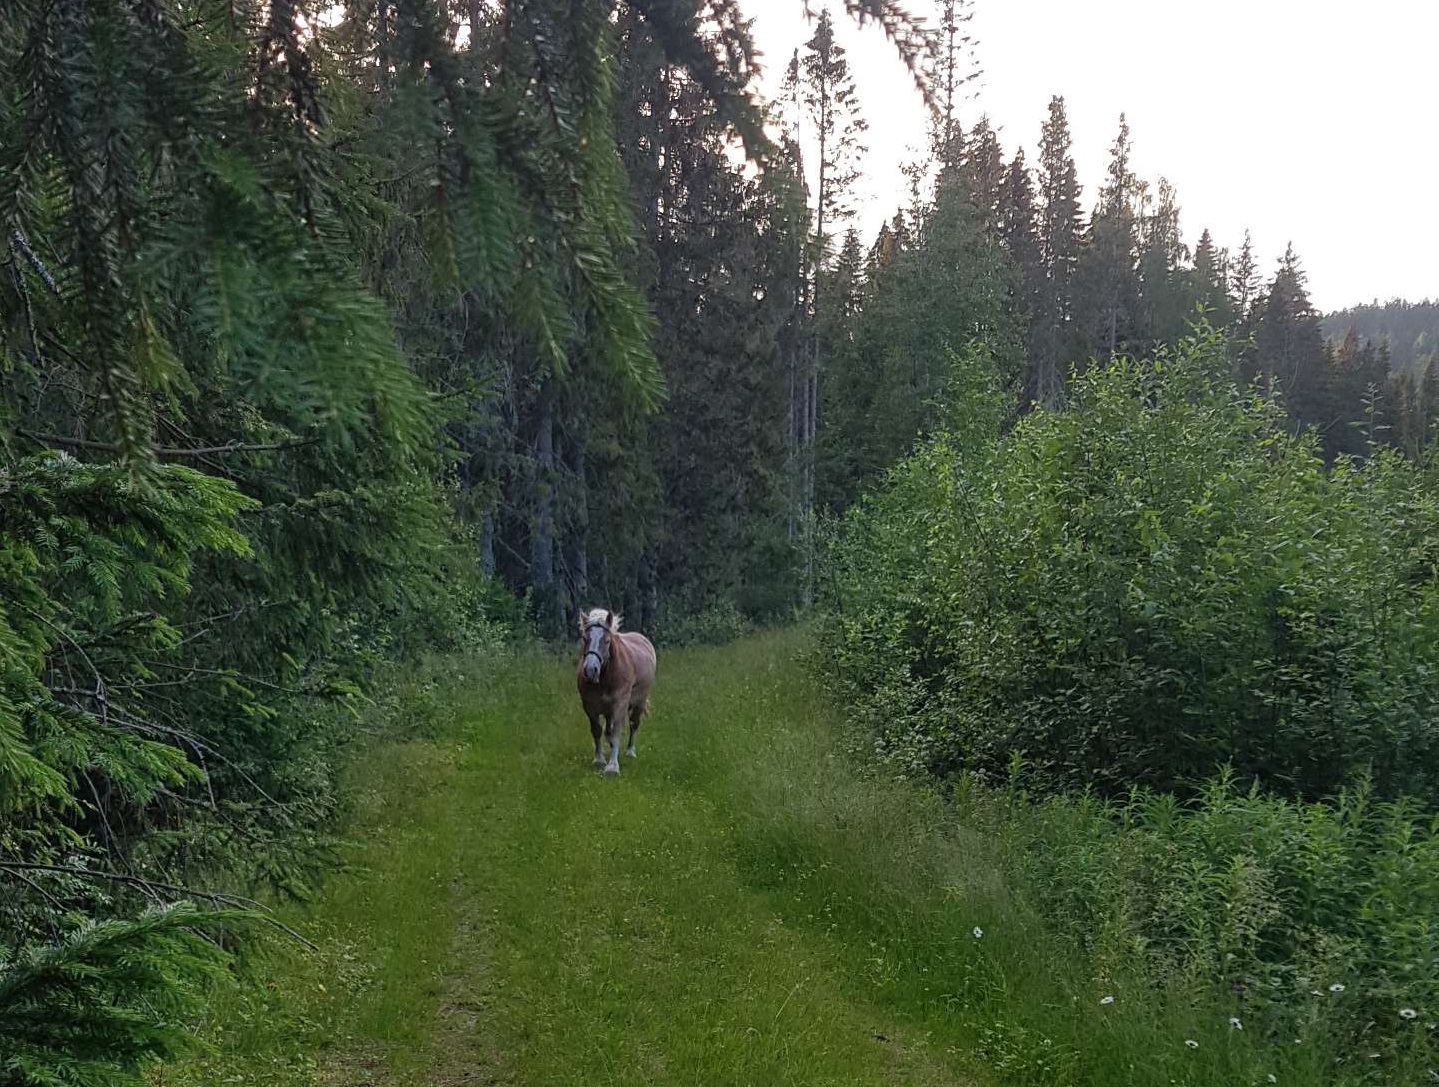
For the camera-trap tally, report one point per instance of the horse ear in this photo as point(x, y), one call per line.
point(615, 618)
point(580, 620)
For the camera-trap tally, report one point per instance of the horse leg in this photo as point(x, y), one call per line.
point(595, 731)
point(635, 713)
point(613, 733)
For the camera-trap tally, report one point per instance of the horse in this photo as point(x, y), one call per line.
point(614, 676)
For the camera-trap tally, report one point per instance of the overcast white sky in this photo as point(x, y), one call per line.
point(1315, 121)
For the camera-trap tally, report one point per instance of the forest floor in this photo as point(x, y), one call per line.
point(512, 917)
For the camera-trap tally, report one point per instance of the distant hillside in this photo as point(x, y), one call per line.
point(1412, 329)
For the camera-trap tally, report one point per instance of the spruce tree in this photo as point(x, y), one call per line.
point(830, 104)
point(953, 69)
point(1288, 353)
point(982, 173)
point(831, 108)
point(1167, 299)
point(1244, 281)
point(1018, 228)
point(1108, 275)
point(1211, 281)
point(1055, 340)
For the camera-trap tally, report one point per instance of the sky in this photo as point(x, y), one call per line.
point(1304, 121)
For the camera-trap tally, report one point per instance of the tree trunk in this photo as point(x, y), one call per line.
point(382, 41)
point(542, 542)
point(649, 590)
point(487, 543)
point(576, 547)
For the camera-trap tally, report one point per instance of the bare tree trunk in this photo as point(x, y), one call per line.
point(649, 590)
point(576, 547)
point(487, 543)
point(382, 41)
point(811, 433)
point(542, 543)
point(801, 431)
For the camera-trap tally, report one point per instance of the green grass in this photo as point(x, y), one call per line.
point(742, 906)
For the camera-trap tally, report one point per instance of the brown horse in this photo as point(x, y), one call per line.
point(614, 675)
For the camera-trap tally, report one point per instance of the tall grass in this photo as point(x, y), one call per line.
point(752, 903)
point(1224, 922)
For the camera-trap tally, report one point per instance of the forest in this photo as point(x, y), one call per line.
point(342, 338)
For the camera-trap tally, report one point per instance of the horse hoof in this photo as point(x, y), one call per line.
point(598, 763)
point(631, 753)
point(612, 771)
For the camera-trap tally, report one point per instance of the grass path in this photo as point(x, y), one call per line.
point(739, 909)
point(514, 918)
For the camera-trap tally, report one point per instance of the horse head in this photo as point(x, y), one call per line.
point(597, 630)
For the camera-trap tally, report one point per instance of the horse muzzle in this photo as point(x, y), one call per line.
point(591, 667)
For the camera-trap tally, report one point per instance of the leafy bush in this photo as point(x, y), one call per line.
point(1151, 584)
point(715, 625)
point(1309, 922)
point(1111, 602)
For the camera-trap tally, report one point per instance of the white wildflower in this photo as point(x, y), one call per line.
point(1107, 1000)
point(1191, 1043)
point(1235, 1023)
point(978, 932)
point(1272, 1078)
point(1408, 1013)
point(1336, 988)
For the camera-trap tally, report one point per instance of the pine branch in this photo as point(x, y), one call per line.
point(915, 42)
point(177, 453)
point(154, 889)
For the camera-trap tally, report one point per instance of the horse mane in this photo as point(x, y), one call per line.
point(611, 619)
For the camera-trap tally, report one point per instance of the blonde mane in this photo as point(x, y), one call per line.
point(610, 619)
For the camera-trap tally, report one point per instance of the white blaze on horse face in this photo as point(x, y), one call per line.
point(594, 652)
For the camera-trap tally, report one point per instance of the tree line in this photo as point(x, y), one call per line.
point(335, 336)
point(327, 332)
point(997, 254)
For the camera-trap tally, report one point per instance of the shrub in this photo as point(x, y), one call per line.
point(1154, 583)
point(1306, 921)
point(717, 624)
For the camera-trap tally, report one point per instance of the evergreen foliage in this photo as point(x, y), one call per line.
point(334, 336)
point(1411, 330)
point(1038, 281)
point(945, 289)
point(109, 997)
point(321, 330)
